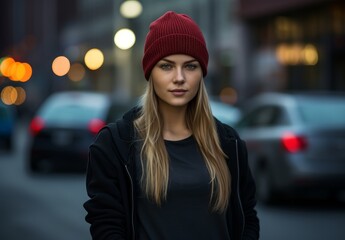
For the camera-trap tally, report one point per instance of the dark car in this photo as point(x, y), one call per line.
point(296, 143)
point(64, 127)
point(7, 124)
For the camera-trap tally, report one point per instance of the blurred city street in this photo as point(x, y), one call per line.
point(49, 206)
point(69, 67)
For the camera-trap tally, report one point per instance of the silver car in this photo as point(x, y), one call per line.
point(296, 143)
point(224, 112)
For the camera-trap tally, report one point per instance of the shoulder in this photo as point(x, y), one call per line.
point(226, 131)
point(231, 141)
point(114, 133)
point(112, 142)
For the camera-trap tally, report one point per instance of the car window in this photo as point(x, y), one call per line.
point(227, 114)
point(264, 117)
point(71, 113)
point(320, 111)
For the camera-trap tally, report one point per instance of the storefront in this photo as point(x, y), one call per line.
point(299, 45)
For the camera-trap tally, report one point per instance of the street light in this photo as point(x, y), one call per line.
point(131, 9)
point(124, 38)
point(94, 59)
point(61, 65)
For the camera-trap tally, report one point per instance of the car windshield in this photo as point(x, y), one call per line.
point(224, 112)
point(71, 113)
point(320, 111)
point(73, 109)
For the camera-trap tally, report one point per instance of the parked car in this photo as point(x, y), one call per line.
point(7, 124)
point(64, 127)
point(295, 143)
point(224, 112)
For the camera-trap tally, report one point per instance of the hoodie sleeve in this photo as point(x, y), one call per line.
point(105, 207)
point(247, 192)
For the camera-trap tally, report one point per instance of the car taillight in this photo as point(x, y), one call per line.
point(95, 125)
point(294, 143)
point(36, 125)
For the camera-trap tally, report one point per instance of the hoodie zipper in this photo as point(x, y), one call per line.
point(238, 187)
point(132, 203)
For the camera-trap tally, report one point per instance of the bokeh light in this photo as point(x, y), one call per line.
point(131, 9)
point(61, 66)
point(9, 95)
point(228, 95)
point(1, 60)
point(94, 59)
point(28, 72)
point(5, 66)
point(77, 72)
point(13, 95)
point(310, 55)
point(282, 53)
point(21, 96)
point(15, 71)
point(297, 54)
point(124, 38)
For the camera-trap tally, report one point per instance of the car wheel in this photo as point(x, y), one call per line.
point(264, 185)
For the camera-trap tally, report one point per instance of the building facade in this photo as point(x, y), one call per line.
point(295, 45)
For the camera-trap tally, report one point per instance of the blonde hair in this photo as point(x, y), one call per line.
point(154, 156)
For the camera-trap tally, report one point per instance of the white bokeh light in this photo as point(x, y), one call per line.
point(131, 9)
point(124, 38)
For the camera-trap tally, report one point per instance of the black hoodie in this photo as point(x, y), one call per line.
point(111, 184)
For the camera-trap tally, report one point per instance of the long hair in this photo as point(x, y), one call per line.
point(154, 156)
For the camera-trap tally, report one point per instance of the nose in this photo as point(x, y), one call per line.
point(180, 76)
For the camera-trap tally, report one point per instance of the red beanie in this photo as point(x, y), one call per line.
point(171, 34)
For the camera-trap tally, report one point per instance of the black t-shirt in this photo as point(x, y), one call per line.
point(186, 214)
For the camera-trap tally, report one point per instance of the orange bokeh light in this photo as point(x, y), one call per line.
point(9, 95)
point(77, 72)
point(13, 95)
point(228, 95)
point(15, 71)
point(61, 65)
point(28, 72)
point(5, 66)
point(21, 96)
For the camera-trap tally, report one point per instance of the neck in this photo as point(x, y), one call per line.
point(174, 123)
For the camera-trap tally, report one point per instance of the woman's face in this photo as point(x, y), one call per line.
point(176, 80)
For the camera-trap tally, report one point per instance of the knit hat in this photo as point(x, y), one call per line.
point(170, 34)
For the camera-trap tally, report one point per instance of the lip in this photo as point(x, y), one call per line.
point(178, 92)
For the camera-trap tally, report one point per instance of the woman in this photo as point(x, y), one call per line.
point(168, 169)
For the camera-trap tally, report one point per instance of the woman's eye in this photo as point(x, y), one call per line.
point(165, 66)
point(191, 66)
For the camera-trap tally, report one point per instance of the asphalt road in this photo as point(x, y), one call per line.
point(39, 206)
point(49, 206)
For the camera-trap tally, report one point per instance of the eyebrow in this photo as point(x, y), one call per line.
point(170, 61)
